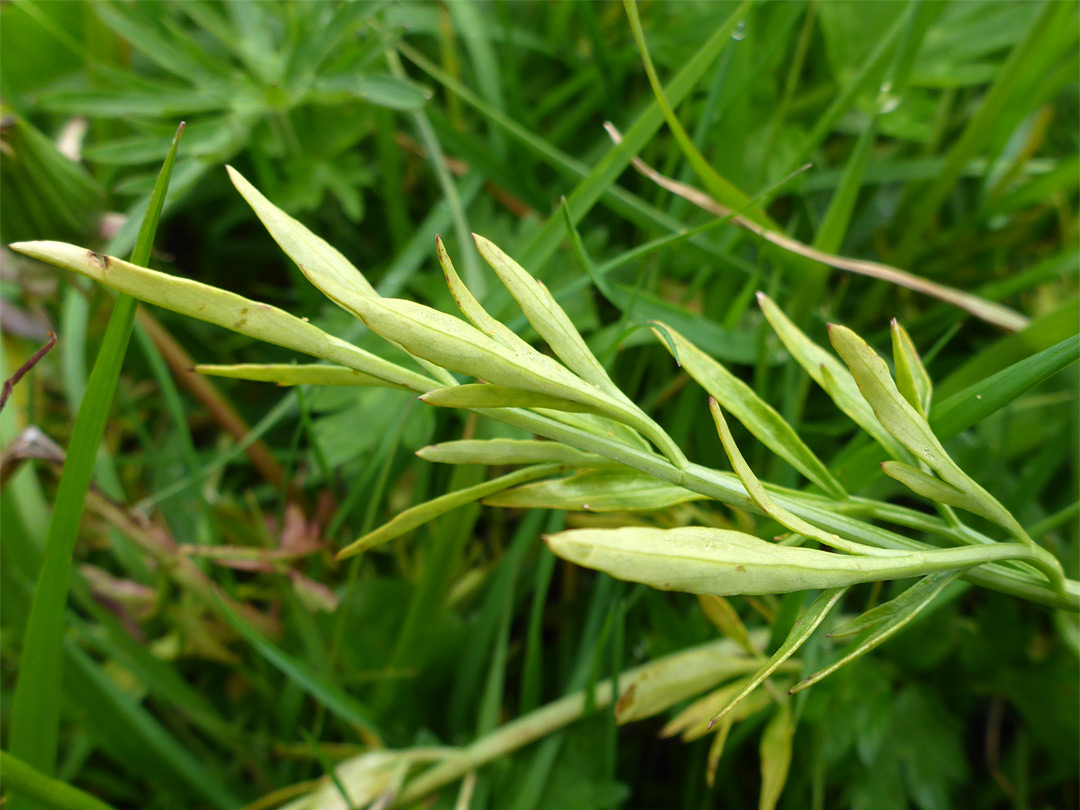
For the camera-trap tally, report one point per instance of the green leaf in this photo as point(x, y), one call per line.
point(893, 617)
point(830, 374)
point(760, 418)
point(291, 374)
point(729, 563)
point(496, 452)
point(910, 428)
point(423, 513)
point(391, 92)
point(776, 744)
point(928, 486)
point(877, 616)
point(22, 780)
point(35, 713)
point(210, 304)
point(497, 396)
point(911, 377)
point(604, 490)
point(803, 628)
point(978, 401)
point(547, 317)
point(759, 496)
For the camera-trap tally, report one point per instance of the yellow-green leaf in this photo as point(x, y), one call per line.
point(206, 303)
point(507, 451)
point(776, 756)
point(760, 418)
point(603, 490)
point(498, 396)
point(911, 377)
point(728, 563)
point(290, 374)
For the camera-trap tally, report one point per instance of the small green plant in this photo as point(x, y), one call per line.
point(600, 452)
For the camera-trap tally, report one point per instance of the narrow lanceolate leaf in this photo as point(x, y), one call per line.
point(699, 560)
point(761, 497)
point(911, 377)
point(35, 712)
point(289, 374)
point(419, 515)
point(299, 243)
point(922, 483)
point(804, 627)
point(547, 317)
point(760, 418)
point(472, 309)
point(604, 490)
point(904, 609)
point(776, 743)
point(498, 396)
point(875, 617)
point(830, 374)
point(494, 452)
point(206, 303)
point(910, 428)
point(453, 344)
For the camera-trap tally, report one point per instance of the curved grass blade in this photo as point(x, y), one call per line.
point(35, 712)
point(978, 401)
point(904, 609)
point(804, 627)
point(291, 374)
point(760, 418)
point(421, 514)
point(21, 779)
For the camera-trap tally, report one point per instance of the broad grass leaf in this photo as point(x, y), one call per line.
point(419, 515)
point(729, 563)
point(603, 490)
point(290, 374)
point(911, 377)
point(506, 451)
point(760, 418)
point(976, 402)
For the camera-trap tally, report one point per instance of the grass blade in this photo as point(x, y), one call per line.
point(22, 780)
point(35, 713)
